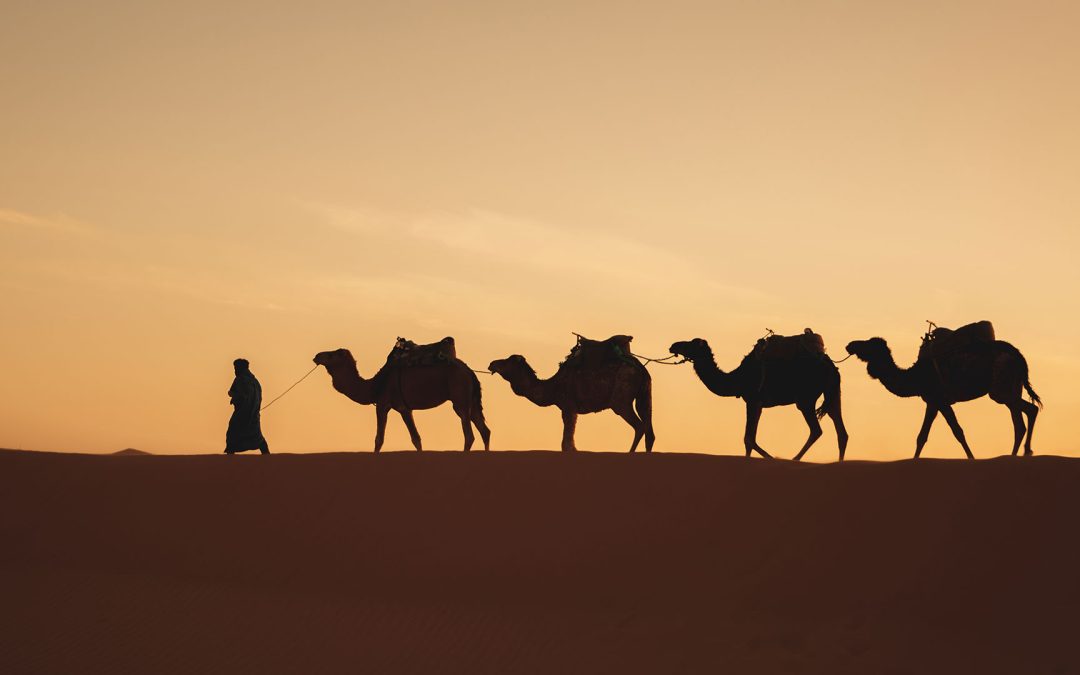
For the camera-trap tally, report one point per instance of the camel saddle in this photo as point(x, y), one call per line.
point(785, 347)
point(408, 353)
point(592, 353)
point(941, 342)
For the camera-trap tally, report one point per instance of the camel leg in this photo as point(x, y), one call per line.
point(1018, 427)
point(410, 424)
point(643, 403)
point(569, 422)
point(753, 416)
point(1032, 411)
point(841, 430)
point(815, 428)
point(465, 414)
point(380, 425)
point(924, 432)
point(954, 424)
point(482, 427)
point(627, 413)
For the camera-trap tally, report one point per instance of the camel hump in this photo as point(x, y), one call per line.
point(939, 341)
point(591, 353)
point(408, 353)
point(790, 346)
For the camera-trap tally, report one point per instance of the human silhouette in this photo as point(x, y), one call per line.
point(245, 428)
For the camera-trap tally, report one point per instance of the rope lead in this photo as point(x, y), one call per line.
point(289, 389)
point(666, 361)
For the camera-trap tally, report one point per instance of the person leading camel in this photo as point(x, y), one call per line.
point(245, 425)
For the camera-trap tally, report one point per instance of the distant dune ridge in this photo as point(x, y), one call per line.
point(536, 563)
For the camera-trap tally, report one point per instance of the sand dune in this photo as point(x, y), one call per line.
point(536, 563)
point(131, 452)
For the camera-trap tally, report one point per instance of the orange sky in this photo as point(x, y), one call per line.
point(183, 185)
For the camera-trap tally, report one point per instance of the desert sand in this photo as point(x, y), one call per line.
point(536, 562)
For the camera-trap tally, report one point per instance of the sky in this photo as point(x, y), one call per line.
point(186, 183)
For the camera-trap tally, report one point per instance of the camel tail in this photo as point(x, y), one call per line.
point(1024, 365)
point(1031, 392)
point(832, 399)
point(478, 399)
point(643, 405)
point(826, 406)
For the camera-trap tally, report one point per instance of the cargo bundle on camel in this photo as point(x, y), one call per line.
point(955, 366)
point(596, 375)
point(414, 377)
point(940, 342)
point(806, 343)
point(408, 353)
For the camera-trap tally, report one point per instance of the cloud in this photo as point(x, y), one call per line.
point(188, 283)
point(60, 223)
point(355, 220)
point(434, 302)
point(212, 289)
point(534, 247)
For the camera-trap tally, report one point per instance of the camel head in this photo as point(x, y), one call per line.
point(872, 350)
point(335, 360)
point(512, 367)
point(692, 349)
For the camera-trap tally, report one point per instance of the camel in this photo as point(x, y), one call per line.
point(993, 368)
point(409, 388)
point(620, 385)
point(765, 382)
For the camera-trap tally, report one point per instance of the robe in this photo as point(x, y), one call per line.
point(245, 428)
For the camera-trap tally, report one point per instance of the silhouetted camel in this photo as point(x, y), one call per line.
point(765, 382)
point(619, 385)
point(409, 388)
point(994, 367)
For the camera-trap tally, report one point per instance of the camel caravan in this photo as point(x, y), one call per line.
point(780, 370)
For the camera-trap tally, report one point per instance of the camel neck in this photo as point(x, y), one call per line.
point(714, 379)
point(540, 392)
point(348, 382)
point(899, 381)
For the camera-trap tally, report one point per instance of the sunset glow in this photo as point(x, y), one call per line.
point(185, 185)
